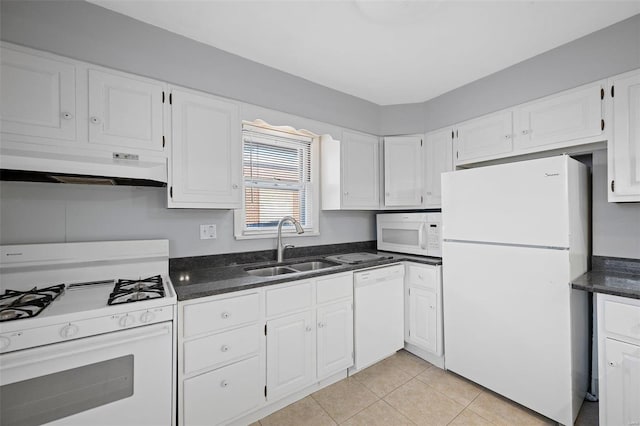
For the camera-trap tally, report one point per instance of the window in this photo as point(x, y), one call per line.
point(279, 176)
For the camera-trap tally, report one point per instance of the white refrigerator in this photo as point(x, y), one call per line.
point(515, 235)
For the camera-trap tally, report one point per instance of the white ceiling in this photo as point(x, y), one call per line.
point(387, 52)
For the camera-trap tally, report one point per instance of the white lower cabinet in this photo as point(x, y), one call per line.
point(214, 397)
point(423, 308)
point(290, 354)
point(335, 338)
point(241, 354)
point(619, 360)
point(309, 339)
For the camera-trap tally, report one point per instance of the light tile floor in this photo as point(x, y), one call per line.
point(406, 390)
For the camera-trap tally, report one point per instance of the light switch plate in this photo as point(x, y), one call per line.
point(208, 232)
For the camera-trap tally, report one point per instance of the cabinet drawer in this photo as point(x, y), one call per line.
point(423, 276)
point(334, 287)
point(288, 299)
point(220, 395)
point(220, 314)
point(221, 348)
point(622, 319)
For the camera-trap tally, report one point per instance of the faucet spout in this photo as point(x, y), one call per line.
point(299, 230)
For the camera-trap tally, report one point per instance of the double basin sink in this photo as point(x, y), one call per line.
point(294, 268)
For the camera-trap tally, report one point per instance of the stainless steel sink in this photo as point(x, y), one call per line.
point(271, 271)
point(295, 268)
point(312, 265)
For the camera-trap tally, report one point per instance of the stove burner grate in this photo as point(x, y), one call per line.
point(127, 291)
point(26, 304)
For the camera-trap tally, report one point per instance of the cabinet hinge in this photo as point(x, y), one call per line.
point(602, 124)
point(601, 93)
point(265, 391)
point(613, 91)
point(421, 199)
point(171, 191)
point(265, 329)
point(163, 96)
point(613, 185)
point(456, 154)
point(409, 292)
point(409, 332)
point(420, 142)
point(170, 98)
point(452, 134)
point(163, 141)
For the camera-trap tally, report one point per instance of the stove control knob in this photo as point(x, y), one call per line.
point(69, 330)
point(4, 342)
point(147, 317)
point(126, 321)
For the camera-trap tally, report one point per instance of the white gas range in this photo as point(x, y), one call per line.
point(87, 334)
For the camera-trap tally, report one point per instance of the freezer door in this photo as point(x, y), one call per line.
point(518, 203)
point(507, 325)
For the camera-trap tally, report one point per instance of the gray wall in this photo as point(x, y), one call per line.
point(91, 33)
point(47, 213)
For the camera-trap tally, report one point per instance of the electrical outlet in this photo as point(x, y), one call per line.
point(208, 232)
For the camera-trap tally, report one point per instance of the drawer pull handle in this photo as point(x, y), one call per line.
point(224, 384)
point(225, 348)
point(225, 315)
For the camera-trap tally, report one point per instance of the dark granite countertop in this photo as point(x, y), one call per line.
point(616, 276)
point(192, 279)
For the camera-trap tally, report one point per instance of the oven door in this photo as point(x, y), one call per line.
point(403, 237)
point(118, 378)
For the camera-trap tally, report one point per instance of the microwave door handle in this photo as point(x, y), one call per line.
point(421, 232)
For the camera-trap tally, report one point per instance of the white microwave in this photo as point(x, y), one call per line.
point(412, 233)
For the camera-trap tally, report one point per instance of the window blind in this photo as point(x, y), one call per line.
point(277, 179)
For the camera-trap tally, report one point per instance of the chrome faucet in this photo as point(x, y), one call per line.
point(299, 230)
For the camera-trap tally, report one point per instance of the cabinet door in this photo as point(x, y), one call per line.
point(624, 148)
point(439, 159)
point(38, 96)
point(622, 398)
point(484, 137)
point(335, 338)
point(571, 115)
point(125, 111)
point(423, 318)
point(291, 354)
point(206, 152)
point(403, 171)
point(220, 395)
point(360, 171)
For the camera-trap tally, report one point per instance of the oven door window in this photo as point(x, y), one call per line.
point(67, 392)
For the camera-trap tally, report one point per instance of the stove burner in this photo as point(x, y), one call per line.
point(26, 304)
point(127, 291)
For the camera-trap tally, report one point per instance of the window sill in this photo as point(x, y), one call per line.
point(258, 236)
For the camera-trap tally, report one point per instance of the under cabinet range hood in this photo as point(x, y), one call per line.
point(115, 169)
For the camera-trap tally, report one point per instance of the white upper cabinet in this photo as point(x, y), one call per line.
point(206, 152)
point(360, 171)
point(403, 171)
point(624, 145)
point(571, 115)
point(350, 172)
point(38, 96)
point(485, 137)
point(439, 159)
point(125, 111)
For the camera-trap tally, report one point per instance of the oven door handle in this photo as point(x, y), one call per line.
point(79, 346)
point(421, 232)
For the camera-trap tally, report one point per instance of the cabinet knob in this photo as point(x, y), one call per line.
point(308, 328)
point(525, 132)
point(225, 348)
point(320, 325)
point(67, 115)
point(234, 186)
point(224, 384)
point(507, 136)
point(95, 120)
point(225, 315)
point(612, 364)
point(346, 193)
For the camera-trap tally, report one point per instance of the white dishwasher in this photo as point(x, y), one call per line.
point(378, 314)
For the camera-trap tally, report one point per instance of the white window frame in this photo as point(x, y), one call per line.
point(239, 216)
